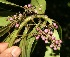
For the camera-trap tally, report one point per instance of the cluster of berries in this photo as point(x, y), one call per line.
point(46, 34)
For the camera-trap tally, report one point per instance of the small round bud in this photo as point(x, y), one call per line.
point(29, 5)
point(10, 18)
point(54, 24)
point(46, 41)
point(20, 15)
point(56, 27)
point(25, 6)
point(17, 25)
point(56, 41)
point(37, 29)
point(37, 37)
point(60, 41)
point(43, 37)
point(53, 38)
point(46, 30)
point(51, 46)
point(55, 48)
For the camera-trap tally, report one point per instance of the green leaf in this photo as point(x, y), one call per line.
point(49, 52)
point(39, 4)
point(3, 21)
point(30, 42)
point(6, 2)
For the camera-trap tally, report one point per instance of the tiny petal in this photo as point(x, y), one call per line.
point(46, 30)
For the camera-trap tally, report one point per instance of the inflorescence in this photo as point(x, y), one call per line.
point(18, 18)
point(46, 34)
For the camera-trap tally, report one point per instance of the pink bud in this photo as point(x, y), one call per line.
point(46, 41)
point(25, 6)
point(17, 25)
point(46, 30)
point(50, 32)
point(29, 5)
point(53, 38)
point(37, 37)
point(56, 41)
point(43, 37)
point(51, 46)
point(54, 24)
point(37, 29)
point(15, 15)
point(55, 48)
point(56, 27)
point(11, 19)
point(60, 41)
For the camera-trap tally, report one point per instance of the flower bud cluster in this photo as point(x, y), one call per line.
point(46, 34)
point(30, 9)
point(16, 19)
